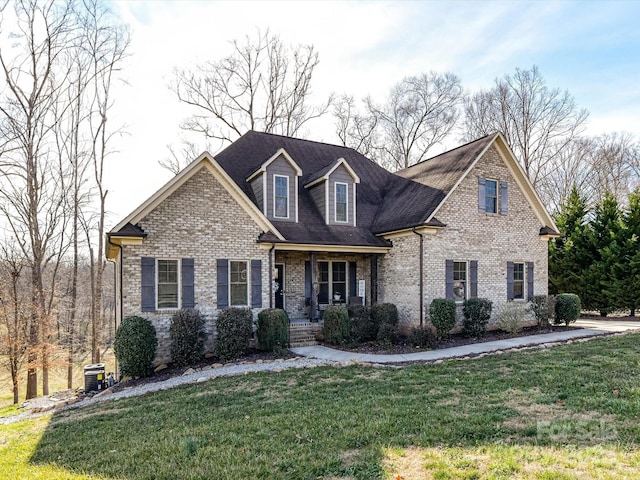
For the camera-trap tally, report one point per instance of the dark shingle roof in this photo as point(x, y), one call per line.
point(386, 201)
point(130, 230)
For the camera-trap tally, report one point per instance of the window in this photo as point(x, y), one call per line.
point(341, 202)
point(518, 281)
point(459, 280)
point(167, 284)
point(280, 196)
point(332, 281)
point(491, 196)
point(238, 283)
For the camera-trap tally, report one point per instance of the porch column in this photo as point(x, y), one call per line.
point(313, 300)
point(374, 278)
point(271, 275)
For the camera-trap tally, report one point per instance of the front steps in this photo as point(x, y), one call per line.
point(302, 333)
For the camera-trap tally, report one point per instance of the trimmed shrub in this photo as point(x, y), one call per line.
point(187, 337)
point(273, 326)
point(442, 314)
point(543, 308)
point(363, 329)
point(337, 328)
point(511, 318)
point(477, 312)
point(385, 318)
point(567, 308)
point(421, 337)
point(233, 328)
point(135, 346)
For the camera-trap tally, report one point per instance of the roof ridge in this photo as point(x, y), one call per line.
point(297, 139)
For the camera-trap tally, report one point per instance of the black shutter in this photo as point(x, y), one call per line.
point(530, 292)
point(188, 293)
point(482, 202)
point(223, 282)
point(504, 198)
point(353, 283)
point(256, 283)
point(148, 283)
point(510, 294)
point(473, 279)
point(449, 278)
point(307, 282)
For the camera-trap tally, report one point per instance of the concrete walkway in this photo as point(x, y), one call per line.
point(591, 328)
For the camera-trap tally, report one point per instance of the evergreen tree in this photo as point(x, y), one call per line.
point(627, 272)
point(568, 258)
point(605, 252)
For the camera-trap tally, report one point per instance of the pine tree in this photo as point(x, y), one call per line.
point(627, 271)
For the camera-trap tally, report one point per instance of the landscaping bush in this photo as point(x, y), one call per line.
point(187, 337)
point(233, 328)
point(273, 326)
point(442, 314)
point(135, 346)
point(336, 329)
point(363, 328)
point(421, 337)
point(511, 318)
point(567, 308)
point(477, 312)
point(385, 318)
point(543, 308)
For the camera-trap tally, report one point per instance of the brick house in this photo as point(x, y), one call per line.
point(273, 221)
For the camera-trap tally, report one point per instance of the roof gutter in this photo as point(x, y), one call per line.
point(421, 268)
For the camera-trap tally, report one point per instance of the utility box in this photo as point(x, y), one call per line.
point(94, 377)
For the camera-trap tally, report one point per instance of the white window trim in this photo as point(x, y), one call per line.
point(330, 280)
point(335, 202)
point(524, 281)
point(248, 265)
point(179, 273)
point(274, 196)
point(497, 212)
point(466, 279)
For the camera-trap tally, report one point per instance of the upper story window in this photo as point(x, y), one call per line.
point(341, 202)
point(167, 284)
point(491, 196)
point(280, 196)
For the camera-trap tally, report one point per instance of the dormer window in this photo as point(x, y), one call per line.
point(280, 196)
point(341, 193)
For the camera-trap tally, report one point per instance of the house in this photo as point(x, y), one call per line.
point(273, 221)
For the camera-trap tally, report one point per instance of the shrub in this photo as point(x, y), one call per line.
point(273, 326)
point(421, 337)
point(385, 317)
point(233, 333)
point(511, 317)
point(135, 346)
point(567, 308)
point(543, 308)
point(477, 312)
point(187, 337)
point(336, 329)
point(442, 313)
point(363, 327)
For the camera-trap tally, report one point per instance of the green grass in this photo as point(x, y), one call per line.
point(567, 412)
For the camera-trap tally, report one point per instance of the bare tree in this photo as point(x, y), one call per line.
point(419, 113)
point(14, 313)
point(539, 123)
point(180, 157)
point(263, 85)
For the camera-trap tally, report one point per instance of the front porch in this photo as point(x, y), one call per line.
point(303, 333)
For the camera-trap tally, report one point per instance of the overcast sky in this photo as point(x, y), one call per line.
point(591, 48)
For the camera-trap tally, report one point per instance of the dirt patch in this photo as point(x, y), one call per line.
point(406, 464)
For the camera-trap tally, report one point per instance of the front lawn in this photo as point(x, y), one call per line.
point(565, 412)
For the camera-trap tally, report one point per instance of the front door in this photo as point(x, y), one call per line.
point(278, 283)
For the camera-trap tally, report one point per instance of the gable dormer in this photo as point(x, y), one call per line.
point(275, 186)
point(333, 189)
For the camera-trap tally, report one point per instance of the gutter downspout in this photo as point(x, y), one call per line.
point(273, 246)
point(421, 275)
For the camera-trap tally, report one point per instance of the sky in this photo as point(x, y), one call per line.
point(590, 48)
